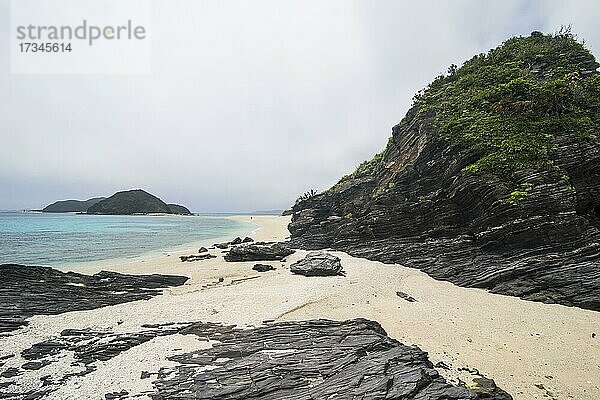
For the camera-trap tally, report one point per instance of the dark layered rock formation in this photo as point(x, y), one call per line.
point(304, 360)
point(90, 346)
point(492, 179)
point(87, 348)
point(318, 263)
point(26, 291)
point(316, 359)
point(71, 205)
point(135, 202)
point(258, 252)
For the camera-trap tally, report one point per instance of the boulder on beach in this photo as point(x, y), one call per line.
point(258, 252)
point(247, 239)
point(318, 263)
point(237, 240)
point(202, 250)
point(196, 257)
point(263, 267)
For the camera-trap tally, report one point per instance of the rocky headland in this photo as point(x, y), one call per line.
point(491, 180)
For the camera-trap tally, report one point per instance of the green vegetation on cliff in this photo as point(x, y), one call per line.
point(507, 105)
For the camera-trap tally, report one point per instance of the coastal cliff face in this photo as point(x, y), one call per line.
point(491, 180)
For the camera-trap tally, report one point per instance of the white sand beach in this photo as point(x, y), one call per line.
point(531, 350)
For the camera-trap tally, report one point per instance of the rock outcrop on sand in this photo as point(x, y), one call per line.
point(63, 206)
point(318, 263)
point(315, 359)
point(491, 180)
point(263, 267)
point(196, 257)
point(258, 251)
point(26, 291)
point(86, 347)
point(136, 201)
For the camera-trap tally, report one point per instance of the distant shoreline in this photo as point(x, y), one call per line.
point(92, 242)
point(153, 255)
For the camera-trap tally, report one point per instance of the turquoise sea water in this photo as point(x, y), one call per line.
point(59, 239)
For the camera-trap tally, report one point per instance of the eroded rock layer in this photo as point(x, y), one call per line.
point(491, 180)
point(316, 359)
point(26, 291)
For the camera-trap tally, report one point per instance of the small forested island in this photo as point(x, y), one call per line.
point(135, 201)
point(126, 202)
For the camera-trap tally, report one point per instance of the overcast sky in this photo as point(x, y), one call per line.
point(248, 103)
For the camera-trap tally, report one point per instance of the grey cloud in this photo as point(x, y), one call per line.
point(249, 103)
